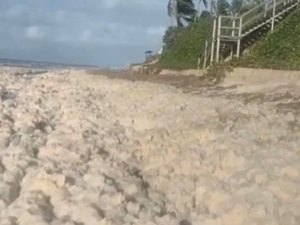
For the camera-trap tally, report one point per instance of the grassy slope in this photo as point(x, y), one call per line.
point(280, 50)
point(188, 48)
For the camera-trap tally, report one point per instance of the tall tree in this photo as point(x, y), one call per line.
point(181, 11)
point(236, 8)
point(198, 14)
point(223, 7)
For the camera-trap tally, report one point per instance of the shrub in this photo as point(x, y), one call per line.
point(183, 46)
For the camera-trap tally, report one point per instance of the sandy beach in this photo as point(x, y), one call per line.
point(84, 149)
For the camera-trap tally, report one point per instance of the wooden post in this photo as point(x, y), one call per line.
point(205, 54)
point(198, 65)
point(273, 16)
point(219, 38)
point(238, 49)
point(232, 34)
point(212, 51)
point(233, 26)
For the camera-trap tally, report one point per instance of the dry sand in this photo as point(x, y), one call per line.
point(81, 149)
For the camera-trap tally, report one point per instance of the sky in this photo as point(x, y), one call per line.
point(96, 32)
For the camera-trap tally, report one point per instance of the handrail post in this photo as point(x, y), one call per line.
point(273, 16)
point(233, 26)
point(212, 51)
point(205, 55)
point(238, 50)
point(233, 35)
point(218, 39)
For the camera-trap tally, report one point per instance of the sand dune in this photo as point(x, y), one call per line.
point(81, 149)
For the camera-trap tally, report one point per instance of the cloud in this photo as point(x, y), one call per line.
point(34, 33)
point(83, 26)
point(86, 35)
point(110, 4)
point(150, 5)
point(15, 11)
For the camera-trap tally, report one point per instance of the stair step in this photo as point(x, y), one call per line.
point(257, 29)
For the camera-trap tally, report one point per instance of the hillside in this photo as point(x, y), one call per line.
point(187, 45)
point(279, 50)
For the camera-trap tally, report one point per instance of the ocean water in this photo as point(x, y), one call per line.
point(42, 65)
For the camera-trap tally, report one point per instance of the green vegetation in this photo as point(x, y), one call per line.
point(217, 72)
point(184, 45)
point(279, 50)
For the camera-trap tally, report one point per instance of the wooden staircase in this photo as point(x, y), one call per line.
point(233, 34)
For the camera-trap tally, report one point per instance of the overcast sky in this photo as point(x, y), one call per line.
point(98, 32)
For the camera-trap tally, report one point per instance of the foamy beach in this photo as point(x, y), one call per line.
point(83, 149)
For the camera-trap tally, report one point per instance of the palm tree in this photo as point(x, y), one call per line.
point(181, 11)
point(184, 11)
point(205, 3)
point(223, 7)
